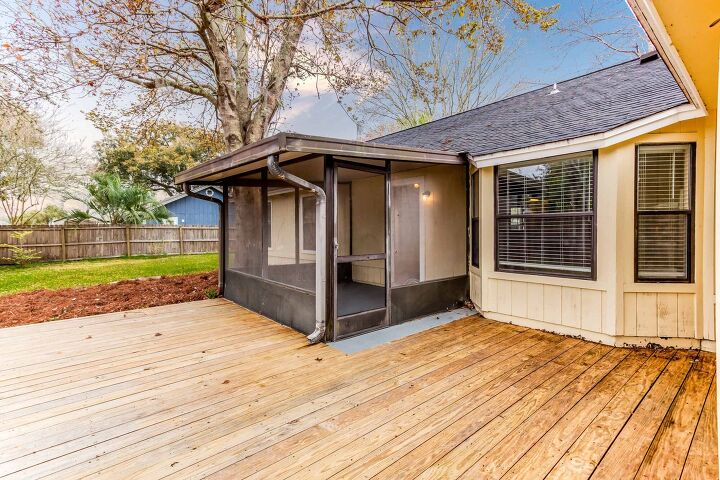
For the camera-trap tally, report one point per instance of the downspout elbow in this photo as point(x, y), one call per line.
point(320, 255)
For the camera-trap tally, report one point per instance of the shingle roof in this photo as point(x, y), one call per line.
point(586, 105)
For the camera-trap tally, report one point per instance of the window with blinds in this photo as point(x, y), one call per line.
point(545, 217)
point(475, 218)
point(663, 213)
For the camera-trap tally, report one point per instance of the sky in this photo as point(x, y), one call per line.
point(540, 59)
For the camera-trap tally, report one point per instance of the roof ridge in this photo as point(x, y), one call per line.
point(513, 97)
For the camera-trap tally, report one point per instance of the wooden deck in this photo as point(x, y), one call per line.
point(210, 390)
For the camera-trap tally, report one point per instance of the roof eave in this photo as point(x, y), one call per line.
point(650, 20)
point(308, 144)
point(592, 142)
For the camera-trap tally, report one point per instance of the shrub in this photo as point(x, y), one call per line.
point(19, 255)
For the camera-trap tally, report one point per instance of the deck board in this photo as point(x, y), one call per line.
point(210, 390)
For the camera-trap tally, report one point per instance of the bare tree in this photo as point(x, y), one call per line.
point(613, 27)
point(35, 161)
point(235, 60)
point(427, 81)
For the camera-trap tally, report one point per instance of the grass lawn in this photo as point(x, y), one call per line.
point(54, 275)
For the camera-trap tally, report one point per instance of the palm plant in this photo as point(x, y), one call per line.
point(109, 200)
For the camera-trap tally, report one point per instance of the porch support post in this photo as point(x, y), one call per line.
point(330, 247)
point(222, 241)
point(265, 222)
point(388, 244)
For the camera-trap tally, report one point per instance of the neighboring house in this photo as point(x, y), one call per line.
point(186, 210)
point(585, 209)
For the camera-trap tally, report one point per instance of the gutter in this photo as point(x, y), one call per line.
point(221, 240)
point(320, 255)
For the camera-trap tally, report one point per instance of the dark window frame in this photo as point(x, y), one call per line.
point(475, 219)
point(590, 276)
point(690, 214)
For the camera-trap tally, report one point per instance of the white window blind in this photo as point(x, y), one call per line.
point(664, 214)
point(546, 216)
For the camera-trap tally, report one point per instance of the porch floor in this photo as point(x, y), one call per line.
point(209, 389)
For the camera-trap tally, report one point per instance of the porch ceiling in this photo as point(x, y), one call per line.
point(291, 146)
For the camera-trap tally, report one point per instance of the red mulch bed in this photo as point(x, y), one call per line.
point(43, 305)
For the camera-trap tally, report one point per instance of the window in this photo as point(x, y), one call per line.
point(475, 217)
point(307, 215)
point(663, 213)
point(545, 217)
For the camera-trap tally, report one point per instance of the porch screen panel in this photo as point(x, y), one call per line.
point(664, 212)
point(244, 230)
point(291, 258)
point(545, 217)
point(428, 221)
point(405, 231)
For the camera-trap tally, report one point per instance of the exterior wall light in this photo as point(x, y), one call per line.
point(426, 194)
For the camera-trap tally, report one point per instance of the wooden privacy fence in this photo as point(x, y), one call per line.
point(74, 242)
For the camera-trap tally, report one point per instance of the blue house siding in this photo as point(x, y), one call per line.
point(193, 211)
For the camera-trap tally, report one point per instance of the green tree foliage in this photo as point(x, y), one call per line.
point(47, 215)
point(153, 154)
point(110, 200)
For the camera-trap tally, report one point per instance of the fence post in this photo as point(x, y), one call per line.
point(63, 243)
point(127, 240)
point(181, 237)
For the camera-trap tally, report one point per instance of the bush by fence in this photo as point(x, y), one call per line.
point(74, 242)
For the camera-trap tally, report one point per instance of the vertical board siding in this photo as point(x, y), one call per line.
point(647, 314)
point(575, 307)
point(535, 301)
point(519, 299)
point(504, 297)
point(666, 314)
point(591, 313)
point(644, 314)
point(552, 303)
point(103, 241)
point(490, 297)
point(476, 295)
point(686, 315)
point(572, 307)
point(630, 314)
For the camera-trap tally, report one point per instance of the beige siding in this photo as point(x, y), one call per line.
point(664, 314)
point(613, 305)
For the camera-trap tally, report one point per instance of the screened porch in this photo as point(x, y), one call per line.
point(392, 245)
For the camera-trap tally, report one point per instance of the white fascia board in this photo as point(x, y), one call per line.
point(592, 142)
point(649, 18)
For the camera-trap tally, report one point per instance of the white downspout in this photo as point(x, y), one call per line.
point(320, 241)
